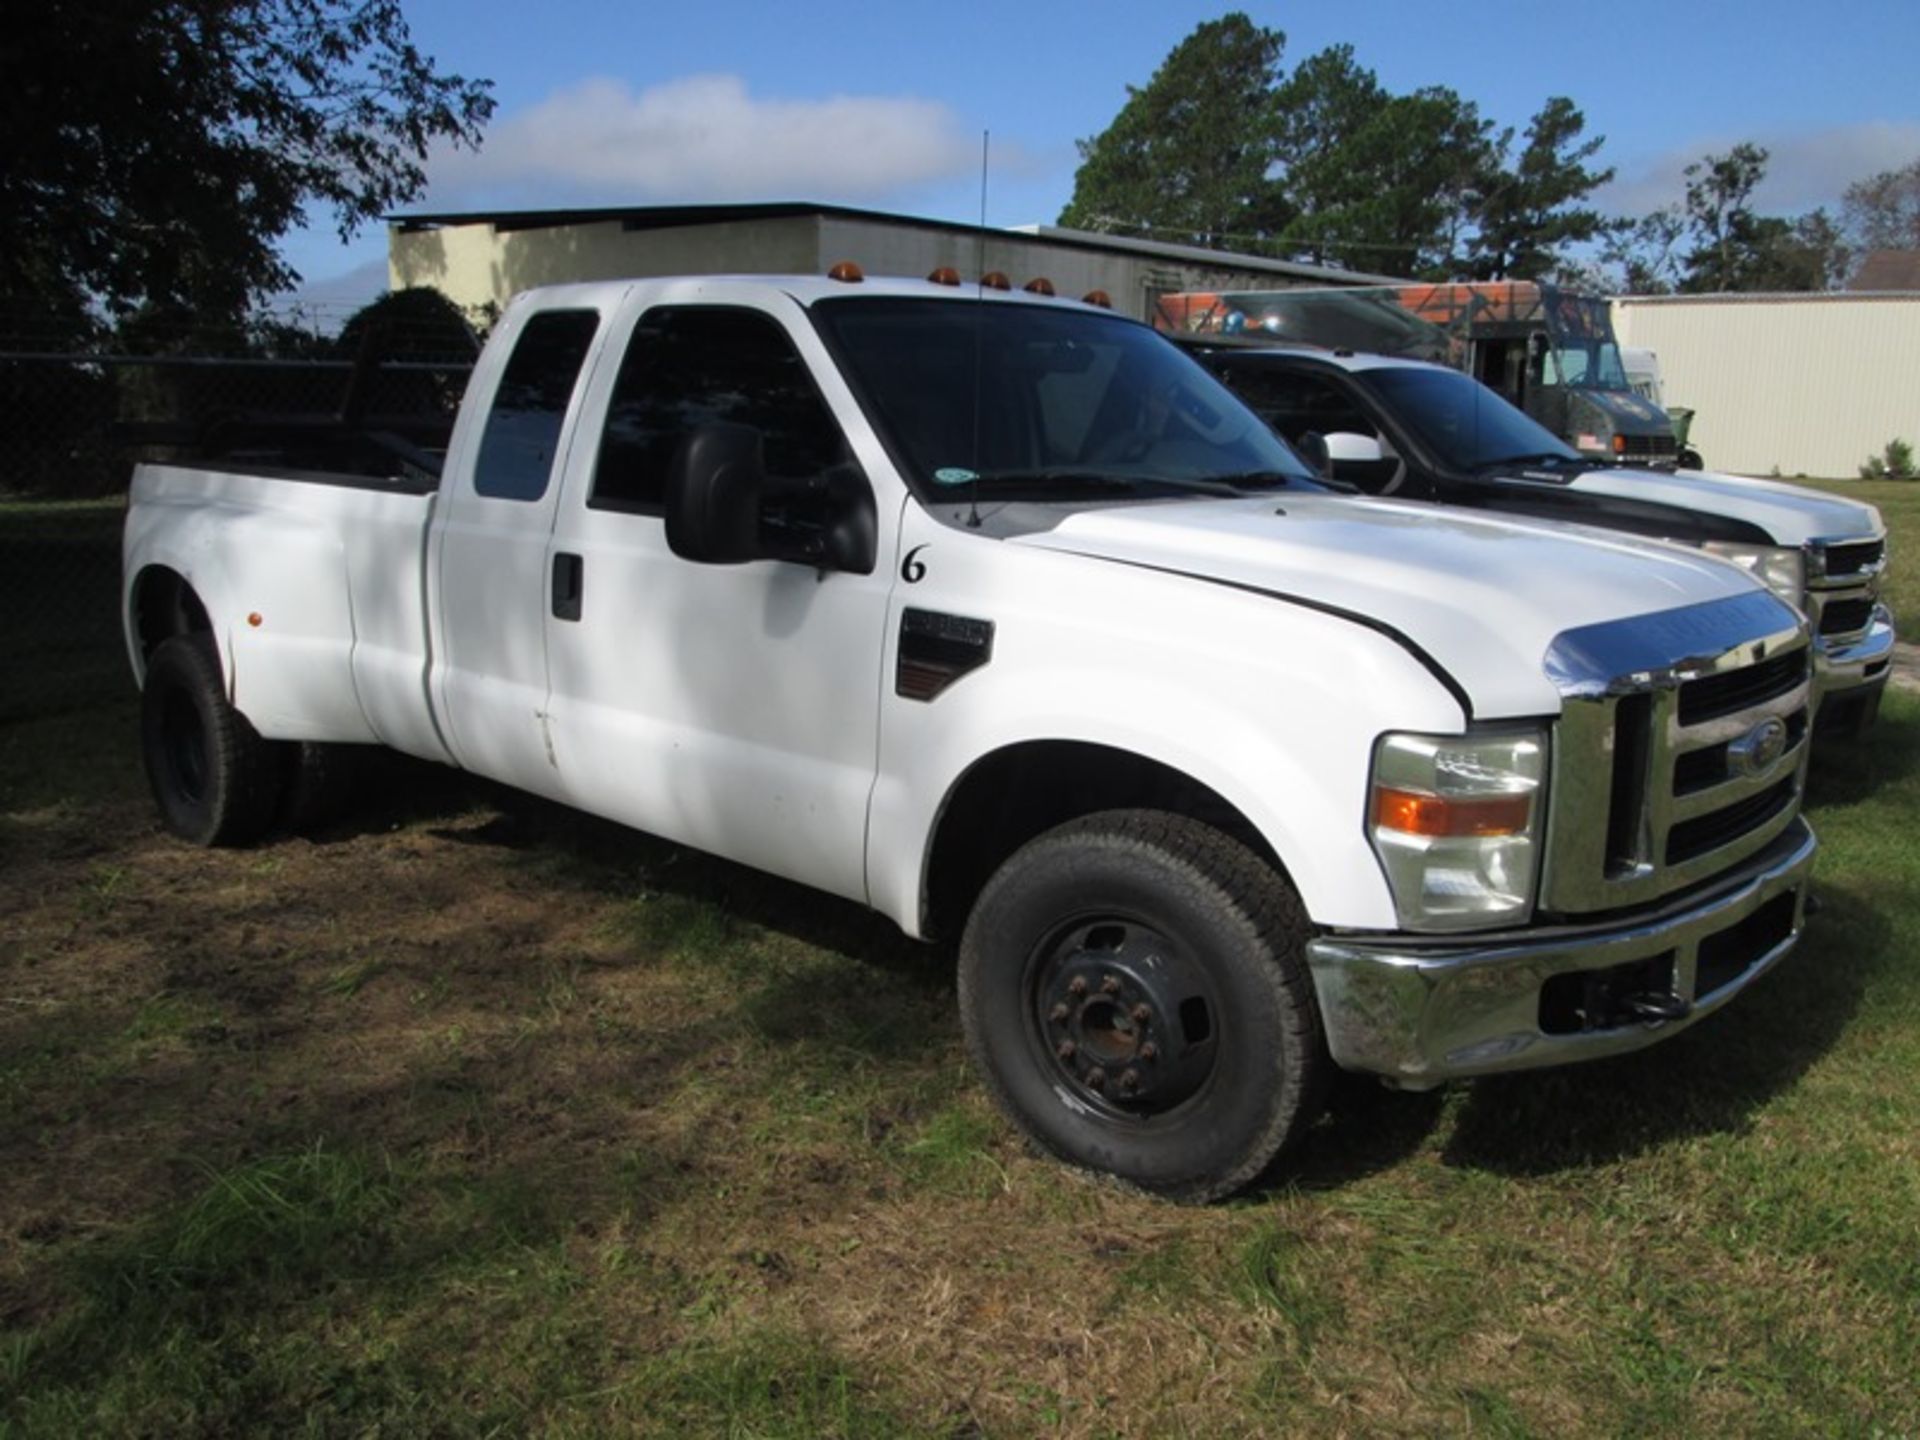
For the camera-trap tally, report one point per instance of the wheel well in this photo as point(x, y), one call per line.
point(1012, 795)
point(164, 606)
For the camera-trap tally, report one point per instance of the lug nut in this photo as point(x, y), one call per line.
point(1096, 1079)
point(1110, 985)
point(1149, 1051)
point(1058, 1013)
point(1065, 1049)
point(1077, 986)
point(1141, 1014)
point(1129, 1081)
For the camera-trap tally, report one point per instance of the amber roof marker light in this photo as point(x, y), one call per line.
point(847, 273)
point(945, 275)
point(1039, 285)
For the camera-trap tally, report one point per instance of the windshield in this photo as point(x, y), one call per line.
point(1468, 425)
point(1584, 353)
point(1591, 365)
point(1050, 404)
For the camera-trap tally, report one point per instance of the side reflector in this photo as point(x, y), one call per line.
point(1413, 813)
point(847, 273)
point(255, 620)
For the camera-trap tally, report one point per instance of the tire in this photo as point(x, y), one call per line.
point(1133, 986)
point(215, 780)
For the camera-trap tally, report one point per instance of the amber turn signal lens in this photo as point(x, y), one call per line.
point(1619, 444)
point(1413, 813)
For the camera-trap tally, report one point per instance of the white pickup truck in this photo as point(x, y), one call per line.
point(996, 613)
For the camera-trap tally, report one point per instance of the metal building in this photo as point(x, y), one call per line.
point(1785, 384)
point(483, 259)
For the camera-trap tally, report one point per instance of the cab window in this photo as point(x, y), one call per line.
point(691, 365)
point(522, 433)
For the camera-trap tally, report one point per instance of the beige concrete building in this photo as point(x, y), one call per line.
point(483, 259)
point(1787, 384)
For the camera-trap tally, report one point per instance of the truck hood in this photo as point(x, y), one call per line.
point(1791, 514)
point(1629, 414)
point(1483, 597)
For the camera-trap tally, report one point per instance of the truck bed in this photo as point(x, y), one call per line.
point(312, 582)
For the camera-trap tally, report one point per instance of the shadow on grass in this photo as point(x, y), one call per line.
point(1709, 1080)
point(608, 859)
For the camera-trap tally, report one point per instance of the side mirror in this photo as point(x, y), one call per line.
point(826, 520)
point(1346, 448)
point(722, 508)
point(714, 485)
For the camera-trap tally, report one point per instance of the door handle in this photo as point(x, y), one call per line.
point(569, 579)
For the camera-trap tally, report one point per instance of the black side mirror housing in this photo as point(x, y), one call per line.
point(724, 509)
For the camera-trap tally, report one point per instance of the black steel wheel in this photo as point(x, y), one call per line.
point(215, 780)
point(1134, 988)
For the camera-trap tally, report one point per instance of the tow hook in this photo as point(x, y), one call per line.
point(1653, 1006)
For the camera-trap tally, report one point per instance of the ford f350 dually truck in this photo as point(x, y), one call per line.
point(1416, 431)
point(996, 613)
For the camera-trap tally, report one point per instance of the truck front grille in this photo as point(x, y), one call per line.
point(1845, 617)
point(1681, 761)
point(1732, 691)
point(1703, 834)
point(1853, 559)
point(1843, 584)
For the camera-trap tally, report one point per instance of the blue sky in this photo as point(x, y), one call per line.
point(884, 105)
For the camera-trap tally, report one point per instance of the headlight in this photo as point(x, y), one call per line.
point(1781, 570)
point(1454, 820)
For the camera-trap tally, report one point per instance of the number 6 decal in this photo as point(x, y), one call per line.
point(911, 570)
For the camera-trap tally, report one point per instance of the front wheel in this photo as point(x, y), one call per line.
point(1134, 987)
point(215, 780)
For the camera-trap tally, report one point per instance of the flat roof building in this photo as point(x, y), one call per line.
point(482, 259)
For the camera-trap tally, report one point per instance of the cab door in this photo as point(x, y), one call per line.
point(488, 570)
point(729, 707)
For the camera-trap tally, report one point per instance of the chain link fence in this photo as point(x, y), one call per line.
point(80, 412)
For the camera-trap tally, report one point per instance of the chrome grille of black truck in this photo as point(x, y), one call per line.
point(1680, 750)
point(1843, 582)
point(1852, 559)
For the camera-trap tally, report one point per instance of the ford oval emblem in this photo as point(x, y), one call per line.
point(1759, 750)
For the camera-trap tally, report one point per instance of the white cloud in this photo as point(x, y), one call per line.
point(1803, 170)
point(703, 138)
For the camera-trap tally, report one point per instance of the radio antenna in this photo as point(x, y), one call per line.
point(979, 320)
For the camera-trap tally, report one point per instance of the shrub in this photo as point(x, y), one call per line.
point(1893, 463)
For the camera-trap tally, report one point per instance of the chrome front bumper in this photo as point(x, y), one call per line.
point(1865, 661)
point(1420, 1013)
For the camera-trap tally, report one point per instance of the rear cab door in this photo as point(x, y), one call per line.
point(488, 568)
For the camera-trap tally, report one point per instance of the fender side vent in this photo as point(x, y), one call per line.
point(936, 649)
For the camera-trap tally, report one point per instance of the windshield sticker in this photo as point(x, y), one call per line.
point(954, 475)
